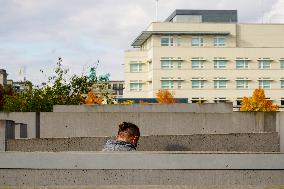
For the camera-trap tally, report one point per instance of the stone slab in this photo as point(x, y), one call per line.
point(234, 179)
point(242, 142)
point(147, 160)
point(192, 107)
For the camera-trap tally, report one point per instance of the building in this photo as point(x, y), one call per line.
point(3, 77)
point(206, 56)
point(117, 88)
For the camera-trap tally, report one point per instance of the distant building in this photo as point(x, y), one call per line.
point(19, 86)
point(206, 56)
point(117, 88)
point(3, 77)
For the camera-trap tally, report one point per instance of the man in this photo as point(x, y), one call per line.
point(126, 140)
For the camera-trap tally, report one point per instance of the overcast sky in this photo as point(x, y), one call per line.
point(34, 33)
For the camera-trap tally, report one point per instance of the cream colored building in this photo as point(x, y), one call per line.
point(210, 61)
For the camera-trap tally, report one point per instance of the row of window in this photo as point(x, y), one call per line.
point(196, 41)
point(197, 63)
point(198, 83)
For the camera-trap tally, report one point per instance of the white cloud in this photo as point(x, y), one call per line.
point(276, 14)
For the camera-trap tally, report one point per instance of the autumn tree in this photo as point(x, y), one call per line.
point(165, 97)
point(92, 98)
point(258, 103)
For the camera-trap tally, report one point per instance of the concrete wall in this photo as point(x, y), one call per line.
point(92, 169)
point(2, 135)
point(28, 118)
point(242, 142)
point(280, 129)
point(78, 124)
point(194, 108)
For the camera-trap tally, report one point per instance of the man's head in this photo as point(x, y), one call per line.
point(128, 132)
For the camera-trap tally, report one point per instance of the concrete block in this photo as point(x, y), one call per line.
point(2, 135)
point(241, 142)
point(147, 160)
point(60, 125)
point(192, 107)
point(165, 179)
point(28, 118)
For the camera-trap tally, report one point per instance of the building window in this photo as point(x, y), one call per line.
point(242, 83)
point(219, 41)
point(220, 83)
point(135, 67)
point(179, 40)
point(196, 41)
point(282, 64)
point(282, 84)
point(179, 84)
point(264, 84)
point(197, 84)
point(220, 64)
point(167, 64)
point(114, 86)
point(179, 64)
point(167, 40)
point(135, 85)
point(196, 63)
point(166, 83)
point(264, 64)
point(242, 64)
point(282, 102)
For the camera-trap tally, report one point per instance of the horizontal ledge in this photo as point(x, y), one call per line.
point(142, 160)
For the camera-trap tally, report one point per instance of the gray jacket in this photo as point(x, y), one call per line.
point(116, 145)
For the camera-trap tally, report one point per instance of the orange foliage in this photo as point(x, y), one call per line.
point(258, 103)
point(92, 98)
point(165, 97)
point(127, 102)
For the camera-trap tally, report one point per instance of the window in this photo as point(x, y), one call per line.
point(242, 64)
point(135, 85)
point(220, 64)
point(220, 83)
point(282, 84)
point(264, 84)
point(167, 64)
point(167, 40)
point(179, 64)
point(120, 86)
point(282, 102)
point(264, 64)
point(197, 84)
point(219, 41)
point(167, 83)
point(282, 64)
point(120, 92)
point(196, 41)
point(135, 67)
point(114, 86)
point(242, 83)
point(196, 63)
point(179, 84)
point(178, 40)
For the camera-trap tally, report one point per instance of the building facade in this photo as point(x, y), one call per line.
point(207, 56)
point(3, 77)
point(117, 87)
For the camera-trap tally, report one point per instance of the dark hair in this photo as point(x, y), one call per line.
point(129, 128)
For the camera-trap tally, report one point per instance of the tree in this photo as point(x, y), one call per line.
point(165, 97)
point(58, 90)
point(258, 103)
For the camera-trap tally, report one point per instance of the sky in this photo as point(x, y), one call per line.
point(34, 33)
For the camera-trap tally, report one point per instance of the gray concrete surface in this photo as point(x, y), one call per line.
point(2, 135)
point(79, 124)
point(28, 118)
point(249, 142)
point(193, 178)
point(147, 160)
point(280, 129)
point(194, 108)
